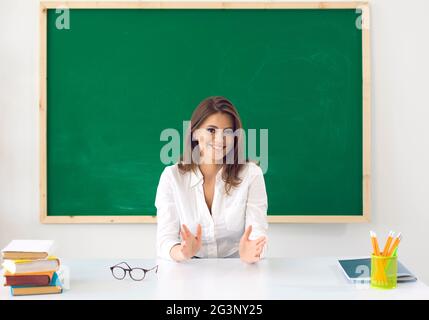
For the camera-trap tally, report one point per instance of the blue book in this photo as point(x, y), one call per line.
point(359, 270)
point(54, 287)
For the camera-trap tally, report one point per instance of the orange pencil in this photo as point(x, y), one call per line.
point(379, 274)
point(387, 245)
point(395, 244)
point(374, 243)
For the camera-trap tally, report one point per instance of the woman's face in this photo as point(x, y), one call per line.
point(215, 137)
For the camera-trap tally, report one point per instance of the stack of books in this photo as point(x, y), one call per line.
point(28, 267)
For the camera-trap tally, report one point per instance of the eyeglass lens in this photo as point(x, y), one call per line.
point(137, 274)
point(118, 273)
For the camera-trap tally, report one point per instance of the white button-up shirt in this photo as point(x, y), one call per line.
point(180, 200)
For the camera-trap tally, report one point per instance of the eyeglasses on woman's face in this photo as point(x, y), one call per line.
point(119, 271)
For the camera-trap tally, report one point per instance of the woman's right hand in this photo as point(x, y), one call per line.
point(190, 244)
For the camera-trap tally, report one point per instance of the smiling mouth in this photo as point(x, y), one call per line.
point(217, 147)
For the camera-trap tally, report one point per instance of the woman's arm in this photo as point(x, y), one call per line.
point(168, 224)
point(169, 244)
point(256, 209)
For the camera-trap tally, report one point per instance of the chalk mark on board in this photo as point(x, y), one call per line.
point(258, 70)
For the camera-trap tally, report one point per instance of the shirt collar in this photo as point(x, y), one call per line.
point(197, 176)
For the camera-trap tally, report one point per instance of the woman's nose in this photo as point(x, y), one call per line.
point(218, 137)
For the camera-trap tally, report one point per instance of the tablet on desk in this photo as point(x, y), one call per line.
point(358, 270)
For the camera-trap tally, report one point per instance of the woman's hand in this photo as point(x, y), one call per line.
point(190, 244)
point(250, 250)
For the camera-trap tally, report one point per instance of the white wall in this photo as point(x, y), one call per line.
point(400, 149)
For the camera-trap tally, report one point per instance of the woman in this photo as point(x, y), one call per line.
point(212, 203)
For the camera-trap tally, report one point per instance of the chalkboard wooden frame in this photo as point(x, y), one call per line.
point(366, 102)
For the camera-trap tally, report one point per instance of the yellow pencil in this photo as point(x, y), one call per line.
point(387, 245)
point(375, 243)
point(395, 244)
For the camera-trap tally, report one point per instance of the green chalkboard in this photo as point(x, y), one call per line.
point(118, 77)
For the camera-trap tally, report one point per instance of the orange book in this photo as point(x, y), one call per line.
point(16, 291)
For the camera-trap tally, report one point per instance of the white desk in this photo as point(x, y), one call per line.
point(273, 278)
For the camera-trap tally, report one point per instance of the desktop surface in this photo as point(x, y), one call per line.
point(219, 279)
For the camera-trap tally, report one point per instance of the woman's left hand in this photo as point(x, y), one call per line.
point(250, 250)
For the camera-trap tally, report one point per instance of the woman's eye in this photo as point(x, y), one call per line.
point(211, 130)
point(228, 132)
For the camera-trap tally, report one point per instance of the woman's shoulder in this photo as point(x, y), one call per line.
point(251, 169)
point(172, 172)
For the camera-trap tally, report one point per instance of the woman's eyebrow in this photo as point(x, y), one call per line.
point(213, 126)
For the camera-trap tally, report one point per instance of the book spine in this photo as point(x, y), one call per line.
point(27, 280)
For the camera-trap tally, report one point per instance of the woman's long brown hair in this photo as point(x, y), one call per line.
point(207, 107)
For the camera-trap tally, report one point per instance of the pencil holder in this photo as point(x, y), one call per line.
point(384, 272)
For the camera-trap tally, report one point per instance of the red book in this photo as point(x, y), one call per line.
point(28, 280)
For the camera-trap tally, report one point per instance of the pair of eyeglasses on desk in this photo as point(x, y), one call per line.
point(119, 271)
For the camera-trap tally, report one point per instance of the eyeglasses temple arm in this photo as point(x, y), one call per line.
point(156, 267)
point(123, 262)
